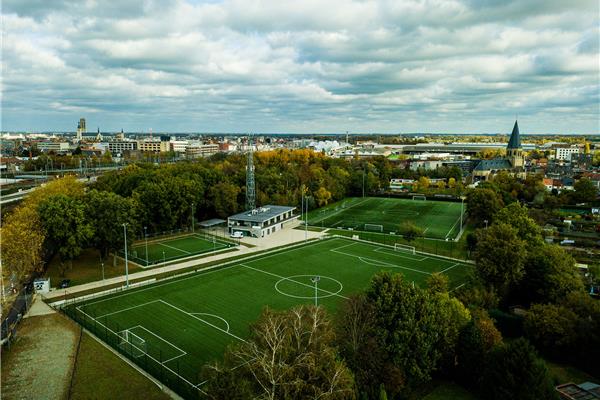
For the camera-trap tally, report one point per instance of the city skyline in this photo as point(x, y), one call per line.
point(382, 67)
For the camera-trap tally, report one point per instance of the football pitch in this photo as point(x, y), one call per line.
point(175, 326)
point(437, 219)
point(168, 249)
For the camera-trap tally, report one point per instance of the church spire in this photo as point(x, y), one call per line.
point(515, 140)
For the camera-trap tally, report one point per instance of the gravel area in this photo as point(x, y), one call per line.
point(39, 363)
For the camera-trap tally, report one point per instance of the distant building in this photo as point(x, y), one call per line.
point(566, 153)
point(261, 221)
point(81, 129)
point(120, 146)
point(57, 147)
point(154, 146)
point(202, 150)
point(513, 162)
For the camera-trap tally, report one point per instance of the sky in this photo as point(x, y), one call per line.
point(304, 66)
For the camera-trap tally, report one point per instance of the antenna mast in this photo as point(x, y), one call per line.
point(250, 183)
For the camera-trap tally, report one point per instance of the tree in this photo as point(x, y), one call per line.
point(322, 196)
point(107, 212)
point(355, 328)
point(585, 191)
point(410, 231)
point(438, 283)
point(22, 241)
point(514, 371)
point(551, 328)
point(63, 219)
point(517, 216)
point(289, 355)
point(482, 205)
point(500, 257)
point(550, 275)
point(406, 330)
point(477, 338)
point(224, 195)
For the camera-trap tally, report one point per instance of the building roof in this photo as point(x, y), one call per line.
point(262, 214)
point(515, 139)
point(493, 164)
point(211, 222)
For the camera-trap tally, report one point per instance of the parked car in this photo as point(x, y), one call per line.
point(65, 283)
point(237, 235)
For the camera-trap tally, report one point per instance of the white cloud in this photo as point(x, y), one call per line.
point(296, 66)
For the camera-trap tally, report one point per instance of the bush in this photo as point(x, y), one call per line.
point(509, 324)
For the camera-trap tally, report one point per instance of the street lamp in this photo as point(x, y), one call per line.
point(462, 206)
point(146, 239)
point(102, 270)
point(316, 280)
point(126, 261)
point(164, 258)
point(485, 221)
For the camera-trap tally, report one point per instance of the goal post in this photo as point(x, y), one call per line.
point(404, 248)
point(374, 227)
point(419, 197)
point(135, 343)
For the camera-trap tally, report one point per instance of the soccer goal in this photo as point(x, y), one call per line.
point(419, 197)
point(404, 248)
point(131, 341)
point(374, 227)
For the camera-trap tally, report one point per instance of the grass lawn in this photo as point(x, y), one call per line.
point(174, 327)
point(95, 373)
point(564, 373)
point(437, 219)
point(87, 268)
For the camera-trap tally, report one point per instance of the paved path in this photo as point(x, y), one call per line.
point(287, 235)
point(38, 307)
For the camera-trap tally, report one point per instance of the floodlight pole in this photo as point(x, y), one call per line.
point(316, 280)
point(102, 270)
point(146, 239)
point(126, 261)
point(306, 222)
point(462, 207)
point(193, 217)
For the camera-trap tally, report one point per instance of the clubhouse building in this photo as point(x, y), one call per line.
point(261, 221)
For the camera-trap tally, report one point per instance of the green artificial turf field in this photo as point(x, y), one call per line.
point(438, 219)
point(168, 249)
point(174, 327)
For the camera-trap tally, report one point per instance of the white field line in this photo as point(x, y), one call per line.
point(450, 231)
point(383, 251)
point(450, 267)
point(122, 310)
point(380, 263)
point(337, 223)
point(339, 211)
point(148, 355)
point(458, 287)
point(291, 280)
point(175, 248)
point(212, 315)
point(201, 320)
point(217, 268)
point(183, 353)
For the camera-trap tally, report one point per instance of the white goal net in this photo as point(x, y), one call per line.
point(374, 227)
point(404, 248)
point(132, 343)
point(419, 197)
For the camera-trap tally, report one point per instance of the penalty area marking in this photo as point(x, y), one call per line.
point(215, 316)
point(291, 279)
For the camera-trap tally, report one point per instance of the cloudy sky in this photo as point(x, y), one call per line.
point(301, 66)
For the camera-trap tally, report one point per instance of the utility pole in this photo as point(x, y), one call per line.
point(363, 191)
point(126, 261)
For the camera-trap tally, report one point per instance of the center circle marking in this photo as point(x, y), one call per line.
point(293, 280)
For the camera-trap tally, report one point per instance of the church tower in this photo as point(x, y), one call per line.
point(514, 152)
